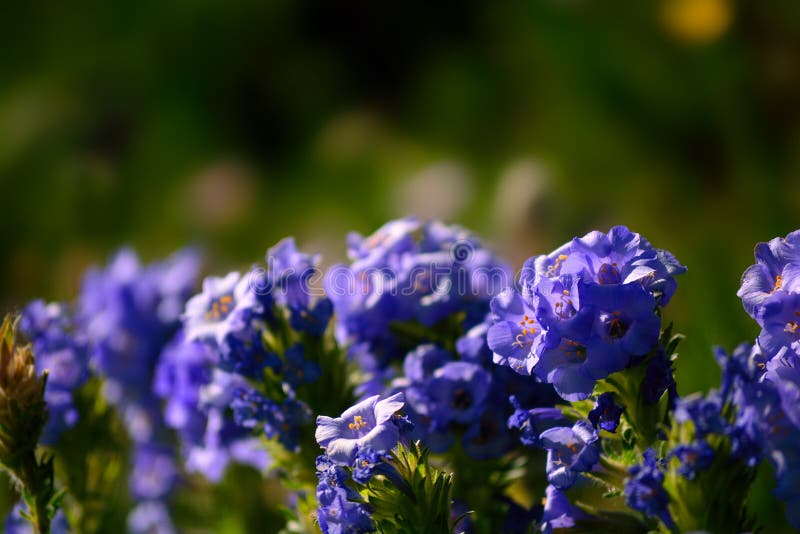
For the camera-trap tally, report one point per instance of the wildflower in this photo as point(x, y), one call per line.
point(569, 451)
point(367, 423)
point(644, 490)
point(777, 269)
point(606, 413)
point(694, 457)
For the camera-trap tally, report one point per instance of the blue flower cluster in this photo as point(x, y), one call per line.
point(360, 439)
point(129, 313)
point(405, 282)
point(770, 394)
point(63, 351)
point(645, 492)
point(585, 311)
point(452, 394)
point(242, 355)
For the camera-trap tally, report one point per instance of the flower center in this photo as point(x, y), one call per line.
point(357, 424)
point(616, 327)
point(461, 399)
point(565, 309)
point(778, 283)
point(608, 274)
point(528, 332)
point(220, 308)
point(553, 269)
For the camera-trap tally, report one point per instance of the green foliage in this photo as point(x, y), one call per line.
point(422, 505)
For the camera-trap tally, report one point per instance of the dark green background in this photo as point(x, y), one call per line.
point(232, 124)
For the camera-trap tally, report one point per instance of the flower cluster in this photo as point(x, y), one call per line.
point(405, 282)
point(129, 313)
point(572, 361)
point(585, 311)
point(64, 353)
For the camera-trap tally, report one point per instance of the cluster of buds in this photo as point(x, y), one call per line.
point(23, 414)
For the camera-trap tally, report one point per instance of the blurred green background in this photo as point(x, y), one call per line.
point(232, 124)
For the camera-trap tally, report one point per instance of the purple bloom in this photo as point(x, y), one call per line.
point(455, 393)
point(704, 412)
point(420, 364)
point(645, 492)
point(410, 271)
point(154, 472)
point(61, 350)
point(780, 321)
point(224, 307)
point(297, 369)
point(694, 457)
point(150, 517)
point(606, 413)
point(339, 508)
point(366, 463)
point(531, 423)
point(569, 451)
point(777, 269)
point(558, 511)
point(367, 423)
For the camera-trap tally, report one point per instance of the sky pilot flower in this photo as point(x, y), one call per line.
point(367, 423)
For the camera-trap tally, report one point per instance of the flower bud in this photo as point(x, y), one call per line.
point(23, 411)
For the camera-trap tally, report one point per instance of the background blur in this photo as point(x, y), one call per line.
point(232, 124)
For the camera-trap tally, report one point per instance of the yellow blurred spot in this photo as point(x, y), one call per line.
point(697, 21)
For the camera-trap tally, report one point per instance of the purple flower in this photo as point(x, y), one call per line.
point(366, 463)
point(780, 321)
point(694, 457)
point(63, 351)
point(339, 508)
point(410, 272)
point(645, 492)
point(531, 423)
point(297, 369)
point(569, 451)
point(154, 472)
point(420, 364)
point(517, 338)
point(455, 393)
point(558, 511)
point(367, 423)
point(150, 517)
point(777, 269)
point(224, 307)
point(606, 413)
point(704, 412)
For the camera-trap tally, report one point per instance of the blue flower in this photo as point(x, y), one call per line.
point(487, 437)
point(455, 393)
point(704, 412)
point(298, 370)
point(150, 517)
point(694, 457)
point(63, 351)
point(531, 423)
point(645, 492)
point(618, 257)
point(558, 511)
point(777, 269)
point(339, 508)
point(410, 271)
point(367, 423)
point(366, 463)
point(606, 413)
point(517, 337)
point(569, 451)
point(154, 472)
point(420, 364)
point(780, 321)
point(224, 307)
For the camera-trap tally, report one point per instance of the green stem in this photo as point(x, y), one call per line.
point(38, 496)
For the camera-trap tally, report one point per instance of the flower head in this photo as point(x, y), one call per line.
point(569, 451)
point(367, 423)
point(606, 413)
point(645, 492)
